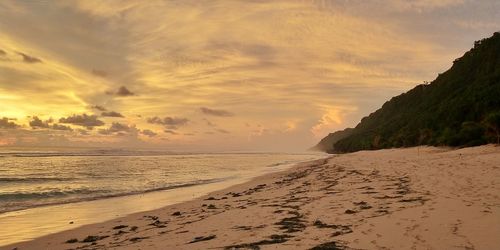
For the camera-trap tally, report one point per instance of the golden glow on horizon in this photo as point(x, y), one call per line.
point(275, 75)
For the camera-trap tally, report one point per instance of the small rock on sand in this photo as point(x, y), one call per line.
point(120, 227)
point(349, 211)
point(74, 240)
point(203, 238)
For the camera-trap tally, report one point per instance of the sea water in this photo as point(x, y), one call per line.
point(48, 191)
point(32, 178)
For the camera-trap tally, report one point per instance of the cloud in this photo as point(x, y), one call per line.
point(28, 58)
point(167, 131)
point(104, 132)
point(169, 122)
point(148, 132)
point(98, 107)
point(209, 123)
point(84, 120)
point(111, 114)
point(100, 73)
point(83, 131)
point(223, 131)
point(425, 5)
point(122, 91)
point(216, 112)
point(332, 119)
point(119, 129)
point(5, 123)
point(2, 52)
point(62, 127)
point(37, 123)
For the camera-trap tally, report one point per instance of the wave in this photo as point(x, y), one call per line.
point(23, 200)
point(16, 196)
point(91, 152)
point(123, 152)
point(280, 163)
point(83, 153)
point(33, 179)
point(288, 162)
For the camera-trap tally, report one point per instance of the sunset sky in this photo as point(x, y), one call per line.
point(218, 75)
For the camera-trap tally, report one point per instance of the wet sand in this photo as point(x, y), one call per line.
point(415, 198)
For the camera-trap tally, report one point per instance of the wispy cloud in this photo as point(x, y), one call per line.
point(98, 107)
point(117, 128)
point(122, 91)
point(223, 131)
point(168, 131)
point(111, 114)
point(29, 59)
point(56, 126)
point(169, 122)
point(209, 123)
point(216, 112)
point(100, 73)
point(149, 133)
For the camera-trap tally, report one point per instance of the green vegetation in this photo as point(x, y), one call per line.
point(492, 123)
point(326, 143)
point(461, 107)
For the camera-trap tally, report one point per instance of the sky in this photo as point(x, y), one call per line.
point(214, 75)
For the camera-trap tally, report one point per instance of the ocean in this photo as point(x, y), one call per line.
point(34, 178)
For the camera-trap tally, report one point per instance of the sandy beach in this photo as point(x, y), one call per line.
point(414, 198)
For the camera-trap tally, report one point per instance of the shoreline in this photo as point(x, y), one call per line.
point(421, 197)
point(91, 199)
point(72, 215)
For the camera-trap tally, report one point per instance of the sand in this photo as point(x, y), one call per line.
point(414, 198)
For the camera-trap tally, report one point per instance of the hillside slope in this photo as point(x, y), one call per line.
point(326, 144)
point(461, 107)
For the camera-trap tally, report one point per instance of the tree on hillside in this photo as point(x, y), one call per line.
point(492, 122)
point(471, 134)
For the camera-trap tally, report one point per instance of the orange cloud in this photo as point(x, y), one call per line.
point(331, 120)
